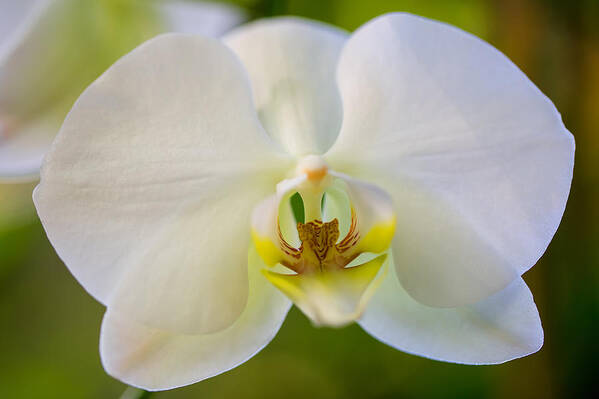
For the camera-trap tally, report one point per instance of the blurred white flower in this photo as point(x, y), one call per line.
point(50, 50)
point(409, 134)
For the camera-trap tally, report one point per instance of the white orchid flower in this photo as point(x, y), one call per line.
point(50, 50)
point(432, 174)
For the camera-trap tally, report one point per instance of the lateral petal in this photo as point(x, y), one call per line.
point(476, 158)
point(503, 327)
point(148, 189)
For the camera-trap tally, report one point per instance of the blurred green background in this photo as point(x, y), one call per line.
point(50, 326)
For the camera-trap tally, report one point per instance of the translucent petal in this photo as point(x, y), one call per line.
point(291, 63)
point(154, 359)
point(476, 158)
point(148, 190)
point(503, 327)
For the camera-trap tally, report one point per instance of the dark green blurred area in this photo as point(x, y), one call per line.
point(50, 325)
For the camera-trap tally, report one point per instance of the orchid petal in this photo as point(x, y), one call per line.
point(291, 63)
point(502, 327)
point(476, 158)
point(148, 190)
point(264, 230)
point(155, 359)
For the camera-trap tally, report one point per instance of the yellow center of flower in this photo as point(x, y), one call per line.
point(320, 248)
point(329, 283)
point(319, 241)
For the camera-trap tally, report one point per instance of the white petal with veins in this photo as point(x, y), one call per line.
point(291, 63)
point(502, 327)
point(155, 359)
point(476, 158)
point(148, 191)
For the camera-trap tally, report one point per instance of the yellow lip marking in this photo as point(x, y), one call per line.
point(334, 298)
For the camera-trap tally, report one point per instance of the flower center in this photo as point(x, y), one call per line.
point(319, 249)
point(326, 286)
point(319, 240)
